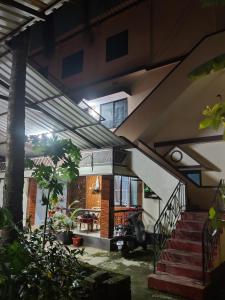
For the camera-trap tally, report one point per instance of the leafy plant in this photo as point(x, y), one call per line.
point(206, 3)
point(63, 162)
point(29, 272)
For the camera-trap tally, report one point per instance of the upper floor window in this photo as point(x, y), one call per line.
point(72, 64)
point(117, 46)
point(114, 113)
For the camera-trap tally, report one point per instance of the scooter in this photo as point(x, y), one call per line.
point(129, 237)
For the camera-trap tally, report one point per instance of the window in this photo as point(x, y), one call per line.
point(117, 46)
point(72, 64)
point(194, 176)
point(44, 71)
point(114, 113)
point(125, 191)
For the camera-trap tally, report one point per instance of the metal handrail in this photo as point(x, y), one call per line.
point(167, 220)
point(211, 232)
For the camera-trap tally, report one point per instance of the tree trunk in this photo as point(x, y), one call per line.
point(14, 176)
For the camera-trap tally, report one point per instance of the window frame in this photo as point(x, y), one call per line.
point(197, 172)
point(129, 204)
point(109, 57)
point(114, 104)
point(65, 76)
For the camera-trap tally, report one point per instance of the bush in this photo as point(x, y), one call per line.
point(27, 271)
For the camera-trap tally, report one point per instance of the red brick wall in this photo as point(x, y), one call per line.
point(76, 190)
point(107, 207)
point(31, 205)
point(93, 199)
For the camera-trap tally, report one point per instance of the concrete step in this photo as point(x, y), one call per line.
point(190, 225)
point(177, 285)
point(177, 256)
point(186, 270)
point(194, 216)
point(184, 245)
point(191, 235)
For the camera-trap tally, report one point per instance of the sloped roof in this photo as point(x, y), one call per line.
point(17, 15)
point(48, 109)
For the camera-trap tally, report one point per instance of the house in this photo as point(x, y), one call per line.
point(142, 92)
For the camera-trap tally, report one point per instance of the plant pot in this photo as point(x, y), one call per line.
point(65, 237)
point(51, 213)
point(77, 241)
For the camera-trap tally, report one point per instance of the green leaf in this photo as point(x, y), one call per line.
point(212, 213)
point(205, 123)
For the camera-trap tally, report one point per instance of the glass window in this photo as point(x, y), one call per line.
point(134, 192)
point(117, 46)
point(117, 189)
point(107, 114)
point(72, 64)
point(125, 191)
point(195, 176)
point(114, 113)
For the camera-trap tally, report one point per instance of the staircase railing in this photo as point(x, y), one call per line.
point(211, 231)
point(168, 218)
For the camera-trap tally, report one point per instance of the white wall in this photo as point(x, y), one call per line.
point(151, 212)
point(40, 209)
point(156, 177)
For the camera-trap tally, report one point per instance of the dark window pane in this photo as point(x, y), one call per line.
point(72, 64)
point(117, 46)
point(120, 112)
point(195, 176)
point(107, 114)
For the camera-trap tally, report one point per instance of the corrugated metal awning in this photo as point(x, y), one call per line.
point(48, 110)
point(18, 15)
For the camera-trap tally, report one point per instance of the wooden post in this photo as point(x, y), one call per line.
point(14, 176)
point(107, 207)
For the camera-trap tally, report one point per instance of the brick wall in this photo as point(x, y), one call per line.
point(93, 199)
point(107, 207)
point(31, 205)
point(76, 190)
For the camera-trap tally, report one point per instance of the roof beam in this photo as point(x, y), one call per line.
point(5, 98)
point(196, 140)
point(23, 8)
point(34, 105)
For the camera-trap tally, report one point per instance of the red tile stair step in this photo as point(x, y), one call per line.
point(185, 245)
point(179, 270)
point(178, 285)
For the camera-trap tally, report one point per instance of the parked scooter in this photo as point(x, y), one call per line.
point(129, 237)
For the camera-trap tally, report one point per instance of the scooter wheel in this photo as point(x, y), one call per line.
point(125, 252)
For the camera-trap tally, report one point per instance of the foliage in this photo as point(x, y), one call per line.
point(214, 116)
point(29, 272)
point(206, 3)
point(63, 163)
point(215, 64)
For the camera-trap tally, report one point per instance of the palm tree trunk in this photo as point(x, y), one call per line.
point(14, 176)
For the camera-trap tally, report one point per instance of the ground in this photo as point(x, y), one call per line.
point(138, 267)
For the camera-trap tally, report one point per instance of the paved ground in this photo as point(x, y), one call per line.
point(138, 267)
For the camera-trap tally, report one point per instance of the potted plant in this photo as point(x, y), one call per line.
point(63, 224)
point(77, 241)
